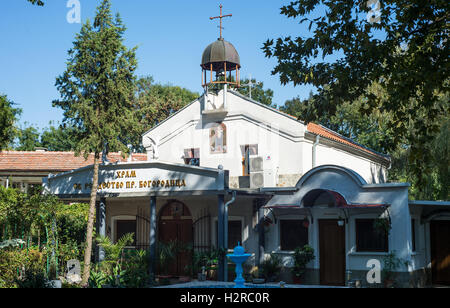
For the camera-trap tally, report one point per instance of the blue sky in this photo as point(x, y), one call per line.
point(171, 36)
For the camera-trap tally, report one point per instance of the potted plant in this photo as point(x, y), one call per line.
point(166, 253)
point(302, 256)
point(212, 262)
point(257, 277)
point(391, 263)
point(271, 267)
point(198, 266)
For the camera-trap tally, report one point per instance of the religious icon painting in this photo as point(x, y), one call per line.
point(218, 139)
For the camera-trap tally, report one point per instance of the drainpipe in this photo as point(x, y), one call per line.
point(314, 151)
point(233, 199)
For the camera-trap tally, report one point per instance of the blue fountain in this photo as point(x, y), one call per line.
point(238, 257)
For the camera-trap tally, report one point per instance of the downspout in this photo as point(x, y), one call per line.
point(233, 199)
point(314, 151)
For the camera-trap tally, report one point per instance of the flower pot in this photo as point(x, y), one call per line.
point(259, 280)
point(297, 280)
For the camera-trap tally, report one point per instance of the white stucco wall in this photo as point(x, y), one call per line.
point(355, 190)
point(280, 138)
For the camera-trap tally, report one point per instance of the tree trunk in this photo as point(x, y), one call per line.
point(90, 226)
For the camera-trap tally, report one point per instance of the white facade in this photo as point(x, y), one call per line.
point(310, 174)
point(284, 143)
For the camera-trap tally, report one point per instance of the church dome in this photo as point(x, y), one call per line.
point(218, 53)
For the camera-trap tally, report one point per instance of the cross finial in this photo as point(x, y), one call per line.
point(221, 17)
point(250, 85)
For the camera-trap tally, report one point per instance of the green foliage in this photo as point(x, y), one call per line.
point(391, 263)
point(437, 179)
point(406, 53)
point(97, 278)
point(37, 219)
point(33, 279)
point(166, 252)
point(22, 268)
point(271, 267)
point(8, 118)
point(97, 96)
point(136, 269)
point(114, 251)
point(28, 138)
point(62, 138)
point(259, 94)
point(302, 256)
point(121, 268)
point(153, 104)
point(97, 88)
point(36, 2)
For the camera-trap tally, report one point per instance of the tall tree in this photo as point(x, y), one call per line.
point(97, 91)
point(8, 118)
point(402, 44)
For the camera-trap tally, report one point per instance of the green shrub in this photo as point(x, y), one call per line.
point(302, 256)
point(271, 267)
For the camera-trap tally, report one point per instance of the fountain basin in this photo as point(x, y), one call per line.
point(238, 257)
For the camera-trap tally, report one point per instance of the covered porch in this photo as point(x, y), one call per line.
point(164, 202)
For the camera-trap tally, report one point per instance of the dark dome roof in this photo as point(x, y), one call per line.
point(218, 53)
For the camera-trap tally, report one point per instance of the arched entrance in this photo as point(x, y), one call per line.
point(331, 237)
point(175, 226)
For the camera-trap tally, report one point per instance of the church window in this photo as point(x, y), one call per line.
point(293, 234)
point(192, 157)
point(369, 238)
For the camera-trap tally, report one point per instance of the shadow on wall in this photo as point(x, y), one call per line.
point(378, 174)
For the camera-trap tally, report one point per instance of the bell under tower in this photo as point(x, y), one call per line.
point(220, 62)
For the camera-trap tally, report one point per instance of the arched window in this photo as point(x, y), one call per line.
point(218, 139)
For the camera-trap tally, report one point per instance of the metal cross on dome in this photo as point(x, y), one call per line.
point(221, 17)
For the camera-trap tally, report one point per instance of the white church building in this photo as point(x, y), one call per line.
point(227, 169)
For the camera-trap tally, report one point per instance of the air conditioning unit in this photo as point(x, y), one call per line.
point(256, 172)
point(256, 164)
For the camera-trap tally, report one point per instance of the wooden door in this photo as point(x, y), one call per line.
point(175, 225)
point(440, 252)
point(332, 253)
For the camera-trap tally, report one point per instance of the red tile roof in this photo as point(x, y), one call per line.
point(53, 161)
point(328, 133)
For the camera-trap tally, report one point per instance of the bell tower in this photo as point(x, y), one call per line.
point(220, 62)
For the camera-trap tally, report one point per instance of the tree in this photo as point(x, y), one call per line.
point(8, 118)
point(97, 91)
point(28, 139)
point(371, 130)
point(153, 104)
point(405, 49)
point(61, 138)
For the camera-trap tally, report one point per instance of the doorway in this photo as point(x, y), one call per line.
point(175, 226)
point(440, 252)
point(331, 253)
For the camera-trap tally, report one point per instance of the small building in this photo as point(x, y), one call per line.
point(227, 169)
point(25, 169)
